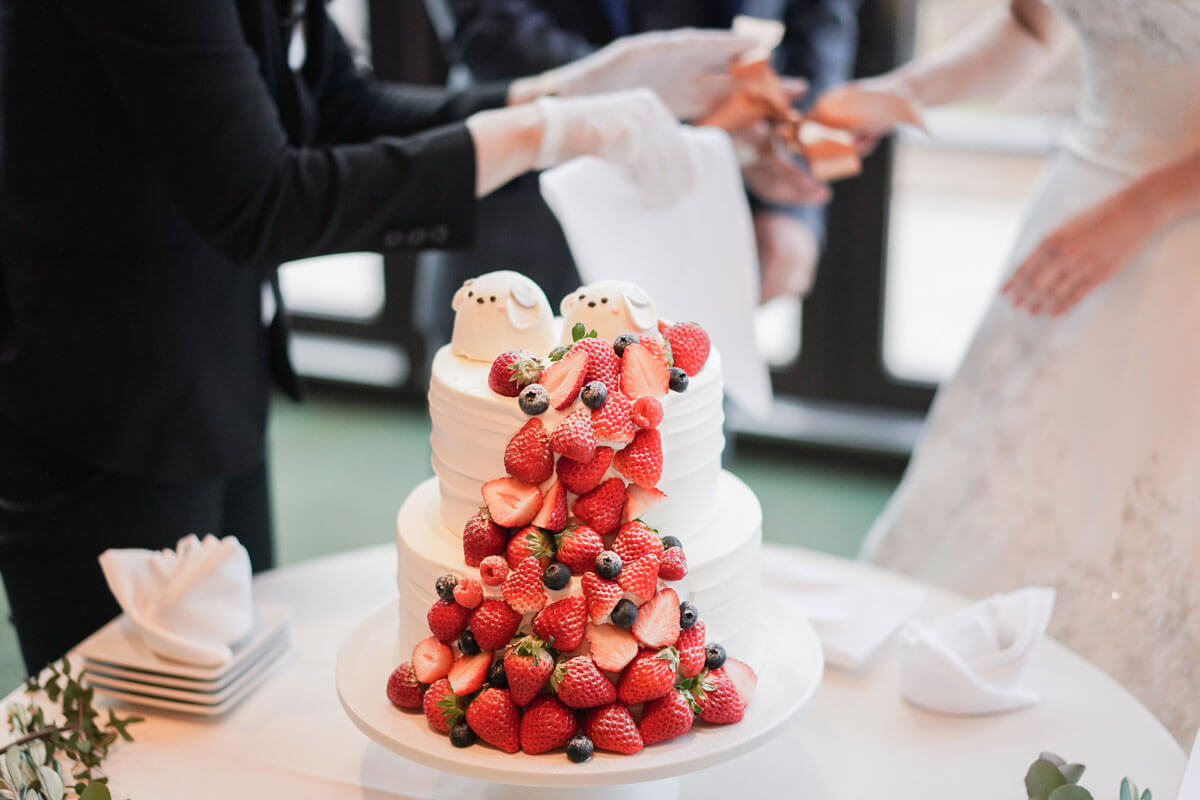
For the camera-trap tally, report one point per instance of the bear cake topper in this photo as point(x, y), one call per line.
point(499, 311)
point(610, 308)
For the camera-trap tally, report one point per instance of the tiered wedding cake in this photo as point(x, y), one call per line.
point(581, 559)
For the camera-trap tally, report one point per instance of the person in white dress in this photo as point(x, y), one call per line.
point(1065, 451)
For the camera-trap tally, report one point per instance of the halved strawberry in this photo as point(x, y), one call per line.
point(639, 500)
point(601, 507)
point(612, 728)
point(522, 589)
point(469, 672)
point(493, 624)
point(527, 457)
point(603, 364)
point(579, 683)
point(546, 725)
point(601, 595)
point(690, 645)
point(574, 437)
point(650, 675)
point(742, 676)
point(641, 460)
point(612, 647)
point(634, 540)
point(564, 378)
point(561, 624)
point(647, 412)
point(613, 421)
point(673, 566)
point(643, 373)
point(510, 502)
point(431, 660)
point(640, 578)
point(581, 477)
point(578, 547)
point(552, 516)
point(442, 706)
point(529, 541)
point(657, 623)
point(689, 346)
point(657, 346)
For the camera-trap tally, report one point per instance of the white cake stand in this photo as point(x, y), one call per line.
point(369, 654)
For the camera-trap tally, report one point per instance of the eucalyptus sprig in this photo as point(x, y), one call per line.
point(1051, 778)
point(58, 759)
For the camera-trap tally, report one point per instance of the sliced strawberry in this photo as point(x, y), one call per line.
point(657, 623)
point(673, 566)
point(581, 477)
point(640, 578)
point(612, 647)
point(510, 502)
point(689, 346)
point(613, 421)
point(690, 645)
point(650, 675)
point(612, 728)
point(493, 624)
point(641, 460)
point(447, 619)
point(522, 589)
point(442, 708)
point(634, 540)
point(552, 516)
point(601, 595)
point(578, 547)
point(403, 688)
point(639, 500)
point(643, 373)
point(469, 672)
point(647, 412)
point(527, 457)
point(657, 346)
point(603, 363)
point(546, 725)
point(579, 683)
point(431, 660)
point(601, 508)
point(561, 624)
point(564, 378)
point(529, 541)
point(574, 437)
point(742, 676)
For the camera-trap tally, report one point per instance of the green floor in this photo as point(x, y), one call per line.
point(341, 469)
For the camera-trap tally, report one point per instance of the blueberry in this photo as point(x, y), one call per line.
point(623, 341)
point(671, 541)
point(461, 734)
point(445, 586)
point(608, 565)
point(497, 677)
point(467, 643)
point(688, 614)
point(580, 748)
point(714, 656)
point(556, 576)
point(593, 394)
point(624, 614)
point(534, 399)
point(679, 380)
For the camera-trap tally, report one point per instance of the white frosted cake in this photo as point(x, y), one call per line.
point(559, 444)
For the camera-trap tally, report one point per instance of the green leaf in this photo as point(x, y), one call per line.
point(1042, 778)
point(1146, 795)
point(1070, 792)
point(96, 791)
point(1072, 772)
point(578, 331)
point(1053, 758)
point(1128, 792)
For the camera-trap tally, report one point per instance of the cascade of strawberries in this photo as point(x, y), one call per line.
point(648, 672)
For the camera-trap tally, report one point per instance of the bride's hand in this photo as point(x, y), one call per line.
point(1081, 254)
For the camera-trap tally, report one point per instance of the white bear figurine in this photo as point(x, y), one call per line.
point(500, 311)
point(610, 308)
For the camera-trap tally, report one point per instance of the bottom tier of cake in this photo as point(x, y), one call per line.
point(723, 580)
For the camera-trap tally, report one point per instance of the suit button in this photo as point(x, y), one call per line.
point(393, 240)
point(417, 237)
point(439, 234)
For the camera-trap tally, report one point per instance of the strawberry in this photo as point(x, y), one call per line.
point(581, 477)
point(578, 547)
point(579, 683)
point(647, 412)
point(689, 346)
point(561, 624)
point(613, 421)
point(531, 541)
point(690, 645)
point(527, 457)
point(603, 363)
point(643, 373)
point(512, 371)
point(719, 699)
point(527, 665)
point(657, 622)
point(640, 578)
point(742, 676)
point(649, 676)
point(612, 728)
point(673, 566)
point(495, 719)
point(493, 624)
point(468, 593)
point(546, 725)
point(601, 507)
point(447, 619)
point(639, 500)
point(634, 540)
point(493, 570)
point(658, 347)
point(641, 460)
point(403, 688)
point(612, 647)
point(482, 538)
point(667, 717)
point(574, 437)
point(468, 673)
point(431, 659)
point(522, 589)
point(601, 595)
point(442, 707)
point(511, 503)
point(553, 514)
point(564, 378)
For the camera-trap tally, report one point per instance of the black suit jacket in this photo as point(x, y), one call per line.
point(159, 159)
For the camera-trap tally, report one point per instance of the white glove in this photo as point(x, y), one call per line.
point(688, 68)
point(632, 128)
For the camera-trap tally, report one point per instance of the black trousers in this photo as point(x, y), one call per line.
point(57, 516)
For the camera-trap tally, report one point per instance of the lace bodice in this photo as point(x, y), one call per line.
point(1140, 104)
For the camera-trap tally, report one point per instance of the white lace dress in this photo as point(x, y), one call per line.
point(1067, 452)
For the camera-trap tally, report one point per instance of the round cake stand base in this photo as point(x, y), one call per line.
point(793, 669)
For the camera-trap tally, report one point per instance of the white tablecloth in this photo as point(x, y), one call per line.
point(857, 739)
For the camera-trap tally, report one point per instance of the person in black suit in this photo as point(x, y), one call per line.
point(499, 39)
point(158, 159)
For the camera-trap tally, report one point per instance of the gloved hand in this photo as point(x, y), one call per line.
point(688, 68)
point(632, 128)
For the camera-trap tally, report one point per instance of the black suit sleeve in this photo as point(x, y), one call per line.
point(509, 38)
point(201, 111)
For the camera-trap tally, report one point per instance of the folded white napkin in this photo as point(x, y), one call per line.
point(975, 661)
point(696, 257)
point(852, 614)
point(190, 604)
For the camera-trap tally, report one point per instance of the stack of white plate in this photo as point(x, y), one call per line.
point(120, 665)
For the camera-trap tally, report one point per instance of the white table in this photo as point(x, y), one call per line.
point(857, 739)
